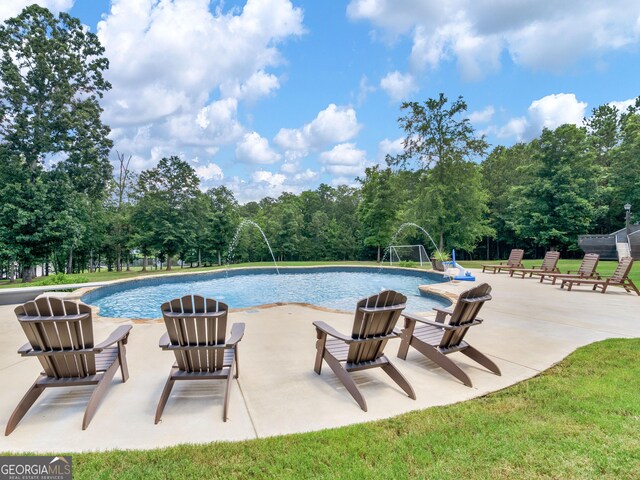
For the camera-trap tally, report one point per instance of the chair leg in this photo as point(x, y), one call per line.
point(346, 380)
point(482, 359)
point(320, 343)
point(443, 361)
point(165, 396)
point(23, 407)
point(98, 393)
point(235, 357)
point(122, 358)
point(227, 391)
point(405, 338)
point(397, 377)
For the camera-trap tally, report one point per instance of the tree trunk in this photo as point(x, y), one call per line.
point(168, 262)
point(378, 253)
point(70, 261)
point(144, 263)
point(92, 268)
point(219, 258)
point(27, 274)
point(128, 262)
point(199, 258)
point(441, 241)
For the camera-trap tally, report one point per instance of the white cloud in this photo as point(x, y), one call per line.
point(344, 160)
point(549, 112)
point(255, 149)
point(482, 116)
point(331, 125)
point(546, 34)
point(181, 70)
point(555, 110)
point(515, 128)
point(364, 89)
point(398, 86)
point(263, 184)
point(390, 147)
point(13, 8)
point(209, 172)
point(622, 105)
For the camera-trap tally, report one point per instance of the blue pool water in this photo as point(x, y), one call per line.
point(334, 288)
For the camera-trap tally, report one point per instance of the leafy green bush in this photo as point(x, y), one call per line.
point(408, 264)
point(60, 279)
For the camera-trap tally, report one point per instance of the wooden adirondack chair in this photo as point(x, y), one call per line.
point(587, 269)
point(549, 265)
point(196, 332)
point(60, 334)
point(620, 278)
point(373, 326)
point(514, 261)
point(436, 339)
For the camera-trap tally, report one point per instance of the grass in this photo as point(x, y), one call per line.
point(580, 419)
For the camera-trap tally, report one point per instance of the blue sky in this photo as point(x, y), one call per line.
point(277, 95)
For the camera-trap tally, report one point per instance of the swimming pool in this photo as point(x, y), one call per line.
point(330, 287)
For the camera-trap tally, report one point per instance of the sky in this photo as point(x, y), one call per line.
point(272, 96)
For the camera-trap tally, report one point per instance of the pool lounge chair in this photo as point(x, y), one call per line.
point(514, 261)
point(196, 332)
point(437, 339)
point(60, 334)
point(620, 278)
point(373, 326)
point(587, 269)
point(549, 265)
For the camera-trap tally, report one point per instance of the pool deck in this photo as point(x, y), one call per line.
point(528, 328)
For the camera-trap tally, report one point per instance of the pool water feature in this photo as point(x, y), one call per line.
point(337, 288)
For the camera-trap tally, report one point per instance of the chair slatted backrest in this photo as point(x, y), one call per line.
point(375, 316)
point(622, 270)
point(55, 325)
point(550, 261)
point(588, 264)
point(515, 257)
point(465, 312)
point(200, 324)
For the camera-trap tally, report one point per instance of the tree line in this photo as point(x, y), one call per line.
point(64, 207)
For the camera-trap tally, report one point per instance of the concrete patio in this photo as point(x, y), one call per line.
point(528, 328)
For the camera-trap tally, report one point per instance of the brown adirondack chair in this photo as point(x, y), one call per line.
point(60, 334)
point(549, 265)
point(620, 278)
point(436, 339)
point(196, 332)
point(373, 326)
point(514, 261)
point(587, 269)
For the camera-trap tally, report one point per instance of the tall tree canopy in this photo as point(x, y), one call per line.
point(50, 83)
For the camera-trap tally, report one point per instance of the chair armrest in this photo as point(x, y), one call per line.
point(329, 330)
point(444, 311)
point(120, 334)
point(436, 324)
point(24, 349)
point(164, 340)
point(400, 306)
point(237, 332)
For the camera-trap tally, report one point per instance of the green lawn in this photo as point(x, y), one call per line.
point(580, 419)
